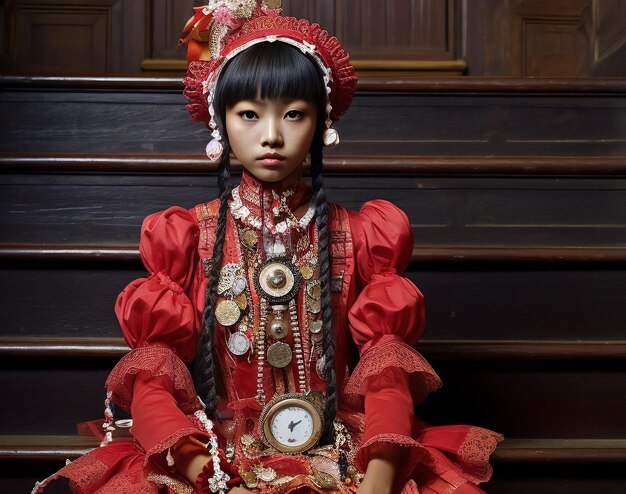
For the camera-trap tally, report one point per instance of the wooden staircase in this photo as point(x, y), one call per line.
point(516, 193)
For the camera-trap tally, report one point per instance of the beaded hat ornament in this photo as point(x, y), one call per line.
point(224, 28)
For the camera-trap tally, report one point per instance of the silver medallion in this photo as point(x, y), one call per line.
point(315, 327)
point(278, 329)
point(238, 344)
point(228, 273)
point(239, 285)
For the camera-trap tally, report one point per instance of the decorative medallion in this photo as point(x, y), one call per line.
point(313, 306)
point(228, 274)
point(314, 290)
point(319, 367)
point(324, 480)
point(306, 270)
point(249, 238)
point(239, 285)
point(278, 281)
point(315, 327)
point(303, 244)
point(241, 301)
point(227, 312)
point(278, 329)
point(238, 344)
point(279, 355)
point(250, 479)
point(265, 474)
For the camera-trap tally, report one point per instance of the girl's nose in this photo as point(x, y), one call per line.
point(272, 135)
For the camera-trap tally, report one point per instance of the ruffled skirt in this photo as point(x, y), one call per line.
point(455, 459)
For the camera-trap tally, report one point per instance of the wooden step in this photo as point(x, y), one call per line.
point(436, 350)
point(434, 255)
point(382, 166)
point(540, 389)
point(510, 451)
point(477, 117)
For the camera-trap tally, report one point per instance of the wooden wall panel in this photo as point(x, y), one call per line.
point(403, 38)
point(54, 40)
point(404, 29)
point(168, 19)
point(75, 36)
point(553, 48)
point(609, 29)
point(323, 12)
point(528, 37)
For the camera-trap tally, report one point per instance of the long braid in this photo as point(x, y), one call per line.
point(204, 366)
point(321, 208)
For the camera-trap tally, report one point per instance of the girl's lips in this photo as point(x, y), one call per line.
point(271, 161)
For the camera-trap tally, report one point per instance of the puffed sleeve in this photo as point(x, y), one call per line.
point(158, 310)
point(386, 320)
point(159, 322)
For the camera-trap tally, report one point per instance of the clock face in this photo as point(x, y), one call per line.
point(292, 426)
point(292, 423)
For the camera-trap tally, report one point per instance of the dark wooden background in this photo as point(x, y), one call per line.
point(517, 38)
point(515, 187)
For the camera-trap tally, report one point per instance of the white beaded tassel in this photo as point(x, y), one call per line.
point(108, 421)
point(214, 148)
point(217, 483)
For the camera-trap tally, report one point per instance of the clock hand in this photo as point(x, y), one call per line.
point(292, 425)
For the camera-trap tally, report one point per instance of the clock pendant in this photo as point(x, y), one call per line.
point(293, 423)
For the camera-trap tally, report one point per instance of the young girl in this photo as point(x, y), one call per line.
point(293, 312)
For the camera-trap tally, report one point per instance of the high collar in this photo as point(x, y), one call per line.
point(255, 192)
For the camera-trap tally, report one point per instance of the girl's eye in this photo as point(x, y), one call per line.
point(294, 115)
point(248, 115)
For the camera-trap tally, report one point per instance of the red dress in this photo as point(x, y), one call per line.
point(374, 307)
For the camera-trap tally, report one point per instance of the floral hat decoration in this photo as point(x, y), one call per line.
point(224, 28)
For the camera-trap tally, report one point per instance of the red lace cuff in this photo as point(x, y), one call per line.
point(167, 443)
point(156, 362)
point(410, 458)
point(370, 371)
point(475, 451)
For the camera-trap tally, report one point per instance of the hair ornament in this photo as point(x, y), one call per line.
point(224, 28)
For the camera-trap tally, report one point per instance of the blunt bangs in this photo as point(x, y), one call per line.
point(272, 71)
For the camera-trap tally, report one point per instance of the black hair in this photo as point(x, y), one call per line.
point(273, 71)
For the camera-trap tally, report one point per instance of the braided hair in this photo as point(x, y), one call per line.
point(204, 364)
point(272, 71)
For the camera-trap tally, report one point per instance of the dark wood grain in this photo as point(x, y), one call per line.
point(333, 165)
point(381, 123)
point(435, 350)
point(107, 209)
point(509, 451)
point(550, 85)
point(423, 255)
point(76, 300)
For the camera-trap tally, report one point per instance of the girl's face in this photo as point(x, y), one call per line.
point(271, 138)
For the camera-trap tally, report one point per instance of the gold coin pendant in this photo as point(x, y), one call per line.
point(279, 355)
point(227, 312)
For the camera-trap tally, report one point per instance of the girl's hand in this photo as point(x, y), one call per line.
point(378, 478)
point(239, 490)
point(381, 469)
